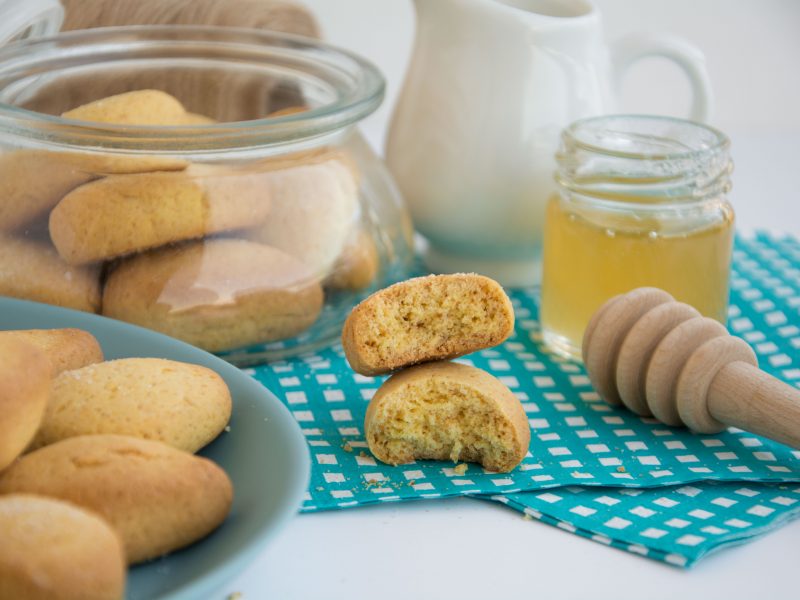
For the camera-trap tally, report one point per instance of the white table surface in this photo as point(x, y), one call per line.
point(465, 549)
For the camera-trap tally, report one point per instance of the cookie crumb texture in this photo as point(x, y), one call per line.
point(447, 411)
point(425, 319)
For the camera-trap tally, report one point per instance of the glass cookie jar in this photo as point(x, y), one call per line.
point(208, 183)
point(641, 202)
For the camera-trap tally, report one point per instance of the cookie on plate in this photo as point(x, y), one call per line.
point(24, 390)
point(65, 348)
point(158, 498)
point(444, 411)
point(183, 405)
point(53, 550)
point(425, 319)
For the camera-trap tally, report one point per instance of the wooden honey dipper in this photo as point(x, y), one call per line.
point(661, 358)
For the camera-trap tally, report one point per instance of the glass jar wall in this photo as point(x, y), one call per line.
point(641, 202)
point(221, 193)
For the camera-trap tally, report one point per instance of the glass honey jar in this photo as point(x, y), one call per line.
point(641, 201)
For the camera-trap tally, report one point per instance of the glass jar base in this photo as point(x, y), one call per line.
point(561, 345)
point(507, 272)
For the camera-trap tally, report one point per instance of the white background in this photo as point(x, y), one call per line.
point(468, 549)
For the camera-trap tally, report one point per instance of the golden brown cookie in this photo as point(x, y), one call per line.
point(122, 214)
point(34, 271)
point(196, 119)
point(289, 110)
point(31, 183)
point(97, 164)
point(53, 550)
point(357, 265)
point(315, 205)
point(24, 389)
point(217, 294)
point(158, 498)
point(65, 348)
point(443, 411)
point(180, 404)
point(424, 319)
point(139, 107)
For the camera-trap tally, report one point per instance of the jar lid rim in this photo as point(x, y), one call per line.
point(575, 134)
point(358, 94)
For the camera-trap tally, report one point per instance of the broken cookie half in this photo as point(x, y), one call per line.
point(447, 411)
point(426, 319)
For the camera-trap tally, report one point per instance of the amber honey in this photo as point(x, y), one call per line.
point(586, 263)
point(637, 206)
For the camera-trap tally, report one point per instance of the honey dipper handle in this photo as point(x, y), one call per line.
point(744, 396)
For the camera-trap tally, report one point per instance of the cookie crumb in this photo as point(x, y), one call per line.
point(460, 469)
point(363, 454)
point(347, 447)
point(527, 517)
point(620, 469)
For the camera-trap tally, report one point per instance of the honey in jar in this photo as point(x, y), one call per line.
point(641, 202)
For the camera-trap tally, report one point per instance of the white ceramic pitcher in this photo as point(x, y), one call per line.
point(490, 85)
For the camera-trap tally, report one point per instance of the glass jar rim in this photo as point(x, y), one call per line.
point(358, 85)
point(650, 161)
point(576, 134)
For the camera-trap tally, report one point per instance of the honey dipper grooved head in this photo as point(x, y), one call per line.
point(606, 332)
point(637, 348)
point(691, 395)
point(667, 361)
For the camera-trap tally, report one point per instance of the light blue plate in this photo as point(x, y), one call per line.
point(264, 454)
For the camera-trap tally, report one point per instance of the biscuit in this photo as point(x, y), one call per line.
point(285, 112)
point(217, 294)
point(196, 119)
point(139, 107)
point(157, 498)
point(24, 389)
point(66, 349)
point(31, 183)
point(122, 214)
point(446, 410)
point(315, 204)
point(95, 165)
point(424, 319)
point(357, 265)
point(182, 405)
point(34, 271)
point(53, 550)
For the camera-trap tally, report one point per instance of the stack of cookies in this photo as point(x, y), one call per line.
point(440, 409)
point(222, 255)
point(97, 464)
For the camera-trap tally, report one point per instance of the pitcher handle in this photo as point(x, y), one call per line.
point(687, 56)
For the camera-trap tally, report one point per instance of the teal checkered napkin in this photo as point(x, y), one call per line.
point(678, 524)
point(577, 439)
